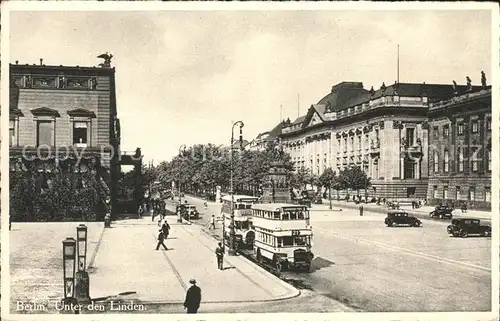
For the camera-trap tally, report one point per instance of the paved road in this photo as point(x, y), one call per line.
point(361, 262)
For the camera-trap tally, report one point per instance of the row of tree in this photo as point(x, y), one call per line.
point(201, 168)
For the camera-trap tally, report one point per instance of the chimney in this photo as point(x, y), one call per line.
point(17, 62)
point(41, 61)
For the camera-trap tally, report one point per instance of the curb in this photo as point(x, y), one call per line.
point(92, 258)
point(294, 291)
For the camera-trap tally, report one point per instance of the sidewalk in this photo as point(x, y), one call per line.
point(127, 262)
point(424, 210)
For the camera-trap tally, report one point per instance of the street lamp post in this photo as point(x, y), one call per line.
point(232, 233)
point(69, 255)
point(179, 216)
point(82, 282)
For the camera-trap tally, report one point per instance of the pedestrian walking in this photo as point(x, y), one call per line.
point(152, 211)
point(140, 211)
point(205, 205)
point(361, 209)
point(219, 252)
point(193, 298)
point(161, 238)
point(165, 228)
point(212, 222)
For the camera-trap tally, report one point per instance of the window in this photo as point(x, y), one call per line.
point(460, 128)
point(345, 144)
point(338, 143)
point(436, 162)
point(435, 192)
point(446, 161)
point(287, 241)
point(352, 142)
point(12, 133)
point(472, 193)
point(474, 160)
point(487, 194)
point(488, 123)
point(45, 133)
point(475, 127)
point(445, 192)
point(359, 142)
point(410, 136)
point(458, 193)
point(367, 141)
point(446, 131)
point(375, 165)
point(435, 132)
point(488, 164)
point(460, 153)
point(377, 134)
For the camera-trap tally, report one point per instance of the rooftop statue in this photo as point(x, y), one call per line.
point(483, 79)
point(107, 60)
point(469, 83)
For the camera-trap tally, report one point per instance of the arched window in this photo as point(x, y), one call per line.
point(460, 153)
point(446, 161)
point(436, 162)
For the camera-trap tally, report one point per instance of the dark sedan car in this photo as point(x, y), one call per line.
point(442, 211)
point(464, 227)
point(398, 217)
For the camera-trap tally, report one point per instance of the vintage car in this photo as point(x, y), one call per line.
point(399, 217)
point(442, 211)
point(464, 227)
point(190, 210)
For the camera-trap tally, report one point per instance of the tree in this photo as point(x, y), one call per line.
point(327, 179)
point(355, 178)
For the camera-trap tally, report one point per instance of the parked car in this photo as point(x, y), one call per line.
point(442, 211)
point(464, 227)
point(399, 217)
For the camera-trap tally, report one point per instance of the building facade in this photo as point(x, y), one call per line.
point(384, 132)
point(460, 150)
point(58, 114)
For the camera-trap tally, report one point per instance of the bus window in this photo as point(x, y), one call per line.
point(287, 241)
point(301, 240)
point(285, 216)
point(244, 225)
point(248, 206)
point(293, 215)
point(280, 241)
point(276, 215)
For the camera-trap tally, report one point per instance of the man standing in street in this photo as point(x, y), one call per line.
point(361, 209)
point(161, 238)
point(193, 298)
point(212, 222)
point(219, 252)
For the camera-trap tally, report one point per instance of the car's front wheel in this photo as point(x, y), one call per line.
point(393, 224)
point(486, 233)
point(416, 224)
point(464, 234)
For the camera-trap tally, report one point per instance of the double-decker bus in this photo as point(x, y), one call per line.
point(242, 204)
point(282, 236)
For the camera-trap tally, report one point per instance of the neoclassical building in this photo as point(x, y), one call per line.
point(384, 131)
point(65, 119)
point(460, 150)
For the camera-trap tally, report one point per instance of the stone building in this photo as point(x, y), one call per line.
point(383, 131)
point(59, 114)
point(460, 150)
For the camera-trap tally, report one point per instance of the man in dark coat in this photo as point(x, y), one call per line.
point(193, 298)
point(161, 238)
point(165, 228)
point(219, 252)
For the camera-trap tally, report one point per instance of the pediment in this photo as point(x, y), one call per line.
point(81, 112)
point(45, 111)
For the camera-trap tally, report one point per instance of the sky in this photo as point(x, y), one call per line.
point(183, 77)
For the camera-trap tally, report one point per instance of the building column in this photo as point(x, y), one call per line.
point(417, 168)
point(402, 166)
